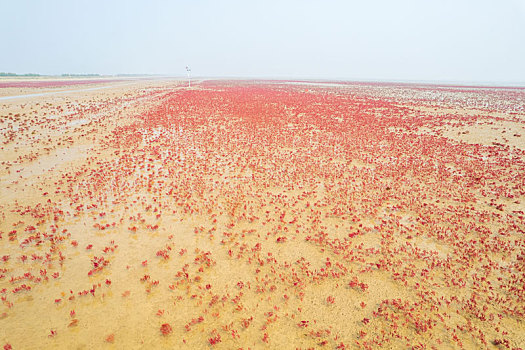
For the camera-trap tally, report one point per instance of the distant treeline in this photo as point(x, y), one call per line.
point(4, 74)
point(80, 75)
point(7, 74)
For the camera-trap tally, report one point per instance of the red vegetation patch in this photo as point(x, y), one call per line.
point(166, 329)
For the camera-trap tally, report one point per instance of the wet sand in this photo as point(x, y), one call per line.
point(239, 214)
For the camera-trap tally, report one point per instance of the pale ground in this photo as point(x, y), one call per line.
point(58, 158)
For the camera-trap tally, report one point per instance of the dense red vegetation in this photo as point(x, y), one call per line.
point(348, 174)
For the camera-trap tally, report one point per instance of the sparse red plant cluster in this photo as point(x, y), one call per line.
point(290, 205)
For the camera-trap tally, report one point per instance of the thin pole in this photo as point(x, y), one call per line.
point(188, 70)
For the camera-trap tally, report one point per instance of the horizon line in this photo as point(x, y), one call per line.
point(464, 83)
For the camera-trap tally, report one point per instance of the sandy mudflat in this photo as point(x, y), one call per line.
point(19, 86)
point(262, 215)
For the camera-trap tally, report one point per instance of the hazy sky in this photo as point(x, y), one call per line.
point(447, 40)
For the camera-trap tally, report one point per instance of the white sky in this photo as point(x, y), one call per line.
point(441, 40)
